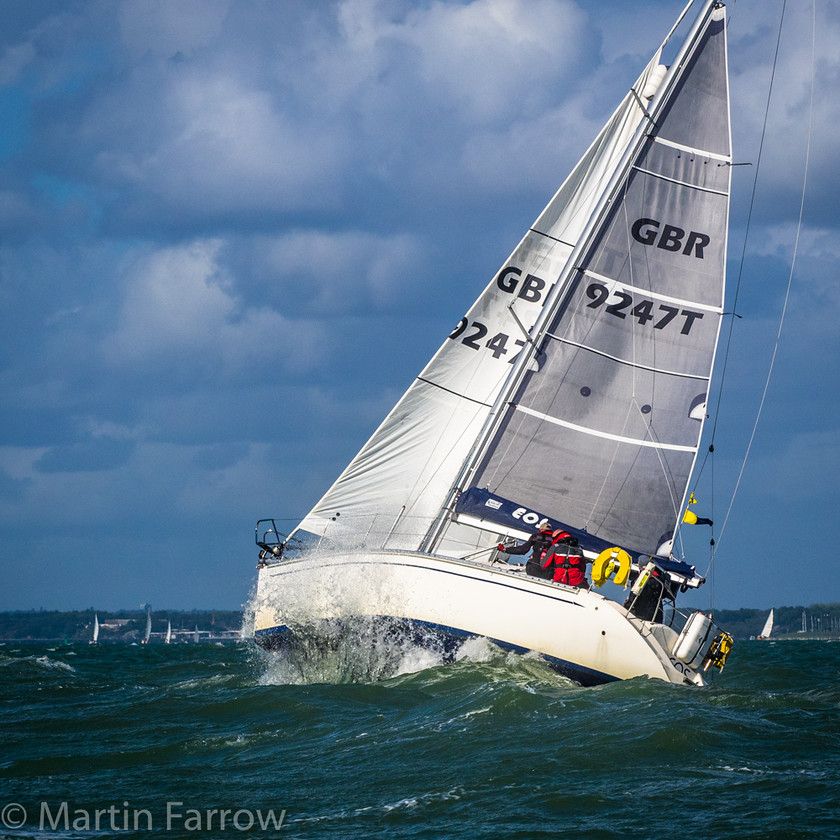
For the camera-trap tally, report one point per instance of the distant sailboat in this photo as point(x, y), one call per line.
point(148, 632)
point(168, 638)
point(768, 627)
point(95, 639)
point(195, 636)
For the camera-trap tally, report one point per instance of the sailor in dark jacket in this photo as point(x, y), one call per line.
point(540, 543)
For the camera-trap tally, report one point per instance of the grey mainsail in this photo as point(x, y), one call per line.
point(604, 433)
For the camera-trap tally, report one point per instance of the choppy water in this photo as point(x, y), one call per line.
point(491, 746)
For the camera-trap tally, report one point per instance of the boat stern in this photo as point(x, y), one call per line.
point(700, 646)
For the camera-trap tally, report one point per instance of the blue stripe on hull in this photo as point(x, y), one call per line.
point(446, 640)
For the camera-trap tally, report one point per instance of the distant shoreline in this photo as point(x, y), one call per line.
point(120, 626)
point(817, 621)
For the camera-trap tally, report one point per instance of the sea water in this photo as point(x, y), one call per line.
point(209, 741)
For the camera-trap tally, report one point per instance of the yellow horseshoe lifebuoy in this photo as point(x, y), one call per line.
point(611, 561)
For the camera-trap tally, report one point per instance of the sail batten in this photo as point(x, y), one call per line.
point(606, 435)
point(549, 236)
point(675, 181)
point(450, 391)
point(723, 159)
point(627, 361)
point(659, 296)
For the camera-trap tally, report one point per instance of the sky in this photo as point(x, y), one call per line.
point(233, 231)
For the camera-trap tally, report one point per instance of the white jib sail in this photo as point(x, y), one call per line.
point(392, 491)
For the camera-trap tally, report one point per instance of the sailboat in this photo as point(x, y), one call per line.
point(574, 390)
point(95, 639)
point(768, 627)
point(168, 637)
point(148, 632)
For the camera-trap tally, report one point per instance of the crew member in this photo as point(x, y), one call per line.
point(568, 561)
point(540, 542)
point(648, 603)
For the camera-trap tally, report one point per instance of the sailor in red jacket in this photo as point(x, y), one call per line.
point(567, 560)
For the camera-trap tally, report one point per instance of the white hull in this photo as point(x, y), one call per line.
point(583, 634)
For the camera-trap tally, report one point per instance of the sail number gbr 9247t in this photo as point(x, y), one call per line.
point(617, 303)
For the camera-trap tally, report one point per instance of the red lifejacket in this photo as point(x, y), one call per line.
point(569, 562)
point(570, 569)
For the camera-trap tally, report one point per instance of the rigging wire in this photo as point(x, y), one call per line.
point(728, 344)
point(792, 265)
point(750, 213)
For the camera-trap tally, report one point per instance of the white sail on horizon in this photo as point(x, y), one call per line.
point(768, 627)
